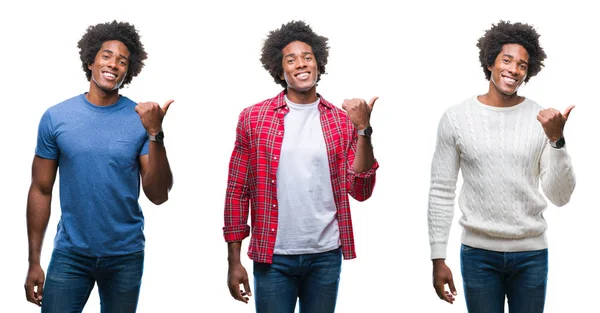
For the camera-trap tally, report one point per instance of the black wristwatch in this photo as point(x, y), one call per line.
point(158, 138)
point(366, 132)
point(558, 144)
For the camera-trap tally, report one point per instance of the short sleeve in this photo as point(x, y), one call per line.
point(46, 139)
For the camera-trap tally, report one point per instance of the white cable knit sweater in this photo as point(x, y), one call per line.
point(503, 154)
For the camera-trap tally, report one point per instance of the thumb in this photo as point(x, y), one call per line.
point(568, 111)
point(40, 290)
point(247, 287)
point(167, 105)
point(372, 102)
point(451, 285)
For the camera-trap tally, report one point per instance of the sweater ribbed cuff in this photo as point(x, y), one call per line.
point(438, 251)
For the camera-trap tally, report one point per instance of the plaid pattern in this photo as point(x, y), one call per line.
point(252, 186)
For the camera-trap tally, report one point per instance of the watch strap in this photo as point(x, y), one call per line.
point(558, 144)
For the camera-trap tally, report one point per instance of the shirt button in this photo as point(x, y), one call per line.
point(275, 158)
point(274, 205)
point(272, 229)
point(273, 181)
point(279, 133)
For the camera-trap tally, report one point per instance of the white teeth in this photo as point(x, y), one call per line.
point(302, 75)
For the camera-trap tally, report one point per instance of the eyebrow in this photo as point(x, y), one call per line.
point(512, 57)
point(293, 54)
point(122, 56)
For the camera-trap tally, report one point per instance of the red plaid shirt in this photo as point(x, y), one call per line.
point(253, 173)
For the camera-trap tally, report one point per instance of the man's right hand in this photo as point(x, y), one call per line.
point(442, 275)
point(35, 278)
point(236, 276)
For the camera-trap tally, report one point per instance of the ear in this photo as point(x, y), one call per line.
point(90, 66)
point(490, 67)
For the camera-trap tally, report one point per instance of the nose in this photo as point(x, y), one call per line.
point(112, 62)
point(513, 67)
point(301, 63)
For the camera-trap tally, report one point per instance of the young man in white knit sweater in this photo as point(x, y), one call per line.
point(505, 145)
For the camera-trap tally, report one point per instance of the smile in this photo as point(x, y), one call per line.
point(109, 76)
point(304, 75)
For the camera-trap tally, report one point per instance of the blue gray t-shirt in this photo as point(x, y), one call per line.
point(98, 150)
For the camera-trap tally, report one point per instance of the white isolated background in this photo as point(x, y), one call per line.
point(419, 57)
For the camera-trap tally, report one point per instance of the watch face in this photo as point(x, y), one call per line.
point(368, 131)
point(160, 136)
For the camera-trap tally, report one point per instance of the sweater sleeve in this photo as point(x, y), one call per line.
point(556, 175)
point(444, 173)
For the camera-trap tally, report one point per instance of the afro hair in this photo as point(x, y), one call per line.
point(272, 55)
point(491, 43)
point(96, 35)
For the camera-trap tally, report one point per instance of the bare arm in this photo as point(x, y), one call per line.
point(157, 179)
point(364, 158)
point(38, 214)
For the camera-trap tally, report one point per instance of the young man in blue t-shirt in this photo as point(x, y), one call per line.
point(101, 143)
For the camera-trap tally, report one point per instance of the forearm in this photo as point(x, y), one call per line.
point(158, 178)
point(233, 252)
point(364, 158)
point(38, 215)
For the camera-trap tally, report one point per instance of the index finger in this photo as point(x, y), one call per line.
point(441, 292)
point(30, 293)
point(236, 293)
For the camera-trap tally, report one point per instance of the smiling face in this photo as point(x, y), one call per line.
point(510, 69)
point(110, 66)
point(299, 70)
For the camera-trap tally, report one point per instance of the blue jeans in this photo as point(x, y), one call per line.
point(489, 277)
point(313, 279)
point(71, 278)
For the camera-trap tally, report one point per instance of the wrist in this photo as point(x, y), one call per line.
point(366, 131)
point(157, 136)
point(362, 125)
point(153, 131)
point(558, 143)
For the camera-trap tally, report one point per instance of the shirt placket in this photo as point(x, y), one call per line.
point(274, 163)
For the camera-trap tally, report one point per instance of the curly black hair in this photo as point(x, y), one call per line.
point(96, 35)
point(491, 43)
point(272, 54)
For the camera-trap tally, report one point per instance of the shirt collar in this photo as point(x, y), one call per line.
point(279, 101)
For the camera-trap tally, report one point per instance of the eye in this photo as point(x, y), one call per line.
point(105, 57)
point(506, 61)
point(290, 61)
point(523, 67)
point(308, 58)
point(122, 62)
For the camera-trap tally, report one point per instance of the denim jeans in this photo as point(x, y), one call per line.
point(313, 279)
point(490, 276)
point(71, 278)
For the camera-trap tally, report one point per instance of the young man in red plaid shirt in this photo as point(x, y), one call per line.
point(295, 160)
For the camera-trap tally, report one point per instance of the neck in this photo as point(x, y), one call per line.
point(496, 98)
point(302, 97)
point(100, 97)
